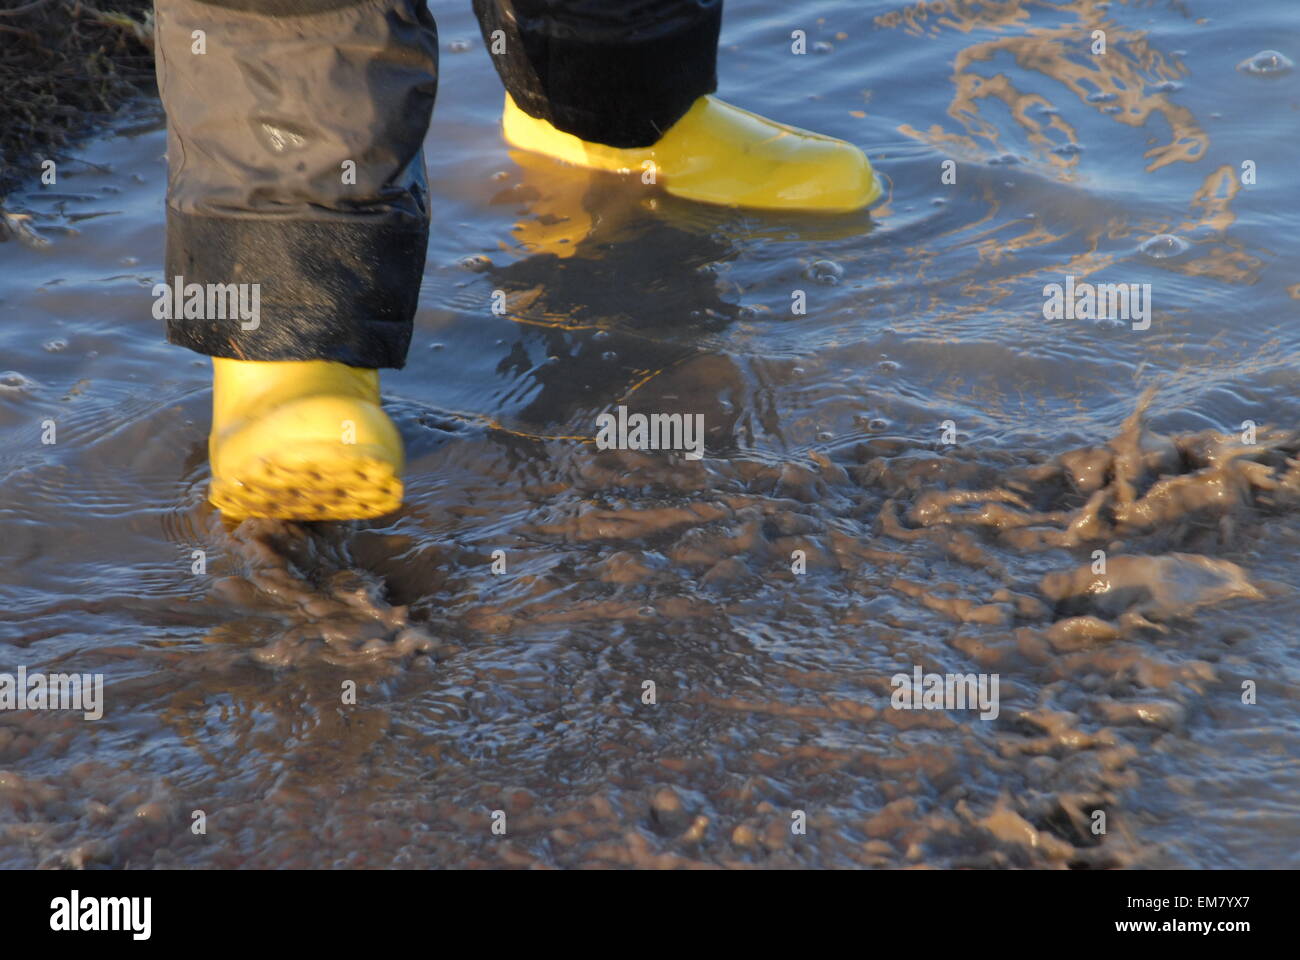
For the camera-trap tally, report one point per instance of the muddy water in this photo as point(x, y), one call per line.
point(522, 690)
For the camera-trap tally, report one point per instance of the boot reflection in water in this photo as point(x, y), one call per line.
point(296, 165)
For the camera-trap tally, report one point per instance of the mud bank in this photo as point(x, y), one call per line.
point(65, 67)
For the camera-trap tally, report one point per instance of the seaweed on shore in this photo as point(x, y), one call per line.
point(64, 66)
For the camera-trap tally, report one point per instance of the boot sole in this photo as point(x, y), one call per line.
point(320, 482)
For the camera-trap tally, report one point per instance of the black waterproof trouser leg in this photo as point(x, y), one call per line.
point(619, 72)
point(295, 132)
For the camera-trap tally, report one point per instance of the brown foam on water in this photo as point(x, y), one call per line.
point(332, 611)
point(1138, 485)
point(774, 686)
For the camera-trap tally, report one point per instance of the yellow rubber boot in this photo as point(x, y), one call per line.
point(301, 440)
point(717, 153)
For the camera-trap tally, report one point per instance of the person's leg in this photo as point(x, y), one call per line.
point(295, 170)
point(626, 85)
point(618, 72)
